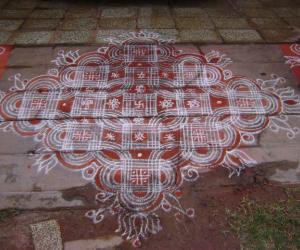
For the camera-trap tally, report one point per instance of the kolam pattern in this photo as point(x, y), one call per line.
point(139, 117)
point(292, 56)
point(294, 59)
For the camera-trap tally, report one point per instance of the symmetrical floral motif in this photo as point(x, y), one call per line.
point(139, 117)
point(292, 56)
point(294, 61)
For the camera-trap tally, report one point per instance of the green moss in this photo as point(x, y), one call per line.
point(273, 225)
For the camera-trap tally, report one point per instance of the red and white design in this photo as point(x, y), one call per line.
point(4, 55)
point(138, 118)
point(292, 56)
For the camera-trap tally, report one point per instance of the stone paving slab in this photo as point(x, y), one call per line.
point(46, 235)
point(19, 175)
point(221, 21)
point(36, 200)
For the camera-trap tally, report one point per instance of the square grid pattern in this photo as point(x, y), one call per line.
point(39, 105)
point(91, 76)
point(143, 136)
point(141, 53)
point(142, 75)
point(139, 104)
point(191, 75)
point(82, 136)
point(201, 135)
point(142, 175)
point(245, 102)
point(88, 104)
point(193, 104)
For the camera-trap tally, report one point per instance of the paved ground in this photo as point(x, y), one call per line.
point(69, 22)
point(105, 125)
point(53, 190)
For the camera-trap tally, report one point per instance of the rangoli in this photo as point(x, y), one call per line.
point(292, 55)
point(139, 117)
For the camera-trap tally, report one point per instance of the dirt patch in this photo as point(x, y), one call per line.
point(84, 193)
point(270, 168)
point(210, 196)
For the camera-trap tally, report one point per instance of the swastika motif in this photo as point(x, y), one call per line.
point(91, 76)
point(83, 136)
point(139, 117)
point(90, 104)
point(39, 105)
point(139, 104)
